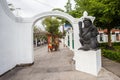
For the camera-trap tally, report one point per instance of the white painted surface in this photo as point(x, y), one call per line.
point(17, 37)
point(76, 35)
point(88, 61)
point(113, 38)
point(98, 38)
point(66, 39)
point(16, 42)
point(105, 38)
point(70, 36)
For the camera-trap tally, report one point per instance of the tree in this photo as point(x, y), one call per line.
point(52, 25)
point(36, 31)
point(62, 19)
point(58, 9)
point(38, 36)
point(107, 13)
point(68, 6)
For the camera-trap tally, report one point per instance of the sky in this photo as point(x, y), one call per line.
point(31, 8)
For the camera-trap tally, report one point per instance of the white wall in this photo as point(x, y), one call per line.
point(16, 36)
point(15, 42)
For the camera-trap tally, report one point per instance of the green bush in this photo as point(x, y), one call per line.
point(105, 44)
point(113, 55)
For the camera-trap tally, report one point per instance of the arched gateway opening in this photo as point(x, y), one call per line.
point(59, 14)
point(54, 13)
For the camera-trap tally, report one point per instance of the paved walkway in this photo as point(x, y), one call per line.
point(54, 66)
point(112, 66)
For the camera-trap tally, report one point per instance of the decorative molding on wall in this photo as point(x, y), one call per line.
point(36, 17)
point(7, 10)
point(11, 15)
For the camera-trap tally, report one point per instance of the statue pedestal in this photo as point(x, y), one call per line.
point(88, 61)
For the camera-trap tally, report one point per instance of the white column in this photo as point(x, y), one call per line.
point(66, 39)
point(76, 35)
point(70, 35)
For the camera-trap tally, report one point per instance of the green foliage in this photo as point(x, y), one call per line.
point(58, 9)
point(62, 19)
point(68, 6)
point(116, 44)
point(105, 44)
point(80, 7)
point(37, 34)
point(107, 13)
point(75, 13)
point(35, 30)
point(113, 54)
point(52, 25)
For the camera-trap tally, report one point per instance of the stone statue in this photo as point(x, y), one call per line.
point(88, 35)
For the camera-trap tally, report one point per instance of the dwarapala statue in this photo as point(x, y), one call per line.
point(88, 35)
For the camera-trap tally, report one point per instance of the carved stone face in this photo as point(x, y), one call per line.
point(87, 23)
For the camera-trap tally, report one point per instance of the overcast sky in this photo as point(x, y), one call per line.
point(32, 7)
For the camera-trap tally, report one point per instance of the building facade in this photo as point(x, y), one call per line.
point(103, 35)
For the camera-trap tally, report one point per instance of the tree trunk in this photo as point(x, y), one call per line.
point(109, 38)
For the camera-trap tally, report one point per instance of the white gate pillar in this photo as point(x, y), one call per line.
point(76, 35)
point(66, 39)
point(70, 35)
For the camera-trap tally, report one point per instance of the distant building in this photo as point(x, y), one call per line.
point(103, 37)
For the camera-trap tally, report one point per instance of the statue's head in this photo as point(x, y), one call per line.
point(87, 22)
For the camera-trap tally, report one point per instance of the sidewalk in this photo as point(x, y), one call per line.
point(112, 66)
point(54, 66)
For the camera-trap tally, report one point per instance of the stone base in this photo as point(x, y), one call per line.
point(88, 61)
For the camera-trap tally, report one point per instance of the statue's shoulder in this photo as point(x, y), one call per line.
point(94, 27)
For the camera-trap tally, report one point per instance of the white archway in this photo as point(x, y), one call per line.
point(60, 14)
point(17, 35)
point(54, 13)
point(16, 40)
